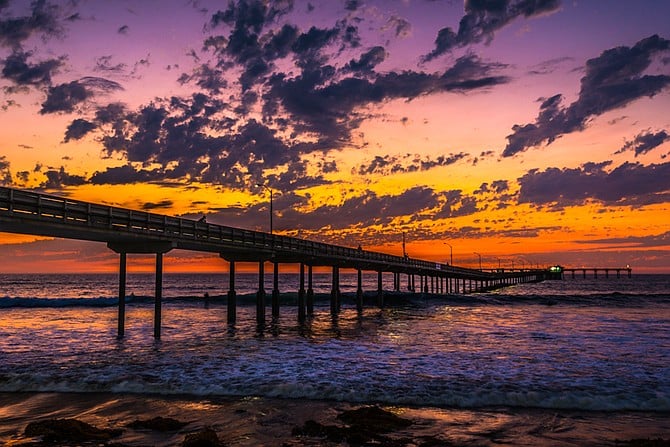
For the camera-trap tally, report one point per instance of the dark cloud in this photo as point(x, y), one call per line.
point(104, 64)
point(78, 129)
point(654, 240)
point(400, 26)
point(321, 104)
point(5, 173)
point(483, 18)
point(18, 70)
point(163, 204)
point(42, 19)
point(629, 184)
point(123, 29)
point(389, 164)
point(457, 205)
point(123, 175)
point(368, 61)
point(365, 210)
point(57, 179)
point(612, 80)
point(352, 5)
point(645, 142)
point(66, 97)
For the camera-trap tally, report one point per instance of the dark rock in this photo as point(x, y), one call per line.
point(158, 424)
point(58, 430)
point(204, 438)
point(374, 419)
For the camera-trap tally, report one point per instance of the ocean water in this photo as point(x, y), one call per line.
point(593, 345)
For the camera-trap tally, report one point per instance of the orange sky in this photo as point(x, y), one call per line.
point(531, 136)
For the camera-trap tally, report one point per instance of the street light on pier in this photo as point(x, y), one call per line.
point(451, 253)
point(261, 185)
point(480, 260)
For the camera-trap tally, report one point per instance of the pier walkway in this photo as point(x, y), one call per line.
point(127, 231)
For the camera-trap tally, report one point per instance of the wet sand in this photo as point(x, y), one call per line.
point(255, 421)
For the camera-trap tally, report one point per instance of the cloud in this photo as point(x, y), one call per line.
point(78, 129)
point(630, 184)
point(320, 103)
point(5, 173)
point(389, 164)
point(612, 80)
point(123, 30)
point(56, 179)
point(42, 19)
point(163, 204)
point(645, 142)
point(65, 97)
point(17, 69)
point(483, 18)
point(368, 61)
point(400, 26)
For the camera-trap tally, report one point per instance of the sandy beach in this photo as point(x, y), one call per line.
point(254, 421)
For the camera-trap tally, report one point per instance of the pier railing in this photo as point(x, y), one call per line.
point(29, 212)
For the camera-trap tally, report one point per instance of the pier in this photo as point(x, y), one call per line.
point(127, 231)
point(593, 271)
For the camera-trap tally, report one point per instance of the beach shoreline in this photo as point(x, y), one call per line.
point(252, 421)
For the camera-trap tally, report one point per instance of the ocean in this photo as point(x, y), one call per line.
point(582, 361)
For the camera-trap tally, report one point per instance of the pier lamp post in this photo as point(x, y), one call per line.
point(260, 185)
point(498, 263)
point(451, 253)
point(480, 260)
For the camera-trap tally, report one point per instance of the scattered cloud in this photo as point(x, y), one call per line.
point(631, 184)
point(612, 80)
point(645, 142)
point(390, 164)
point(483, 18)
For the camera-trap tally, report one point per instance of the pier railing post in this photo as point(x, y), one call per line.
point(122, 296)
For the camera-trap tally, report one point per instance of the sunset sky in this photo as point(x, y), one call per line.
point(533, 132)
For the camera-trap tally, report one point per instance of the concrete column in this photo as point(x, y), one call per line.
point(159, 295)
point(301, 294)
point(359, 292)
point(275, 291)
point(310, 292)
point(334, 291)
point(380, 290)
point(232, 297)
point(260, 295)
point(122, 296)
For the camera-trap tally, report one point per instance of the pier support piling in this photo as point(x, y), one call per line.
point(275, 291)
point(122, 296)
point(380, 290)
point(359, 292)
point(260, 295)
point(232, 298)
point(301, 294)
point(159, 295)
point(310, 291)
point(335, 292)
